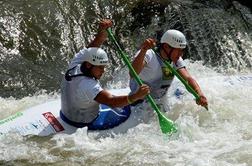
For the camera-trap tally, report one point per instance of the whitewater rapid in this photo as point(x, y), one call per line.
point(220, 136)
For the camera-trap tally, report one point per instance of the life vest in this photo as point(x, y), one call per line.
point(158, 87)
point(73, 72)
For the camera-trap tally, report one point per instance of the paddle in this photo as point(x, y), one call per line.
point(167, 126)
point(188, 87)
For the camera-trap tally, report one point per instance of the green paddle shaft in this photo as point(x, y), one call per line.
point(188, 87)
point(166, 125)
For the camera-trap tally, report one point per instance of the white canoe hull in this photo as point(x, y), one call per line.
point(44, 120)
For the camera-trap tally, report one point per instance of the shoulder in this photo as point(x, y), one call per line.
point(180, 63)
point(89, 83)
point(90, 87)
point(150, 56)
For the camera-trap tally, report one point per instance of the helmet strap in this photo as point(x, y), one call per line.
point(168, 54)
point(86, 71)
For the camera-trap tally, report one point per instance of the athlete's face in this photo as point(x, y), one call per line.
point(176, 54)
point(97, 71)
point(172, 53)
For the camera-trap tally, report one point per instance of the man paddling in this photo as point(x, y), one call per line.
point(81, 92)
point(154, 72)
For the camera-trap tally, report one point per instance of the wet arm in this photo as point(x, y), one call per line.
point(101, 36)
point(99, 39)
point(191, 81)
point(104, 97)
point(139, 62)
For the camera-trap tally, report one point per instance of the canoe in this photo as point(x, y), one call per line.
point(45, 119)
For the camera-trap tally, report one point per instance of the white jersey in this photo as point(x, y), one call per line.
point(77, 95)
point(78, 58)
point(156, 74)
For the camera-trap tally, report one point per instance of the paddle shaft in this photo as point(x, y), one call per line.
point(188, 87)
point(166, 125)
point(133, 72)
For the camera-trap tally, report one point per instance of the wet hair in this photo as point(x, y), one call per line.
point(168, 54)
point(86, 71)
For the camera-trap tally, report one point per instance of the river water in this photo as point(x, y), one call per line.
point(39, 37)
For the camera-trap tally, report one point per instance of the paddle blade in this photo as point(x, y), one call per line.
point(167, 126)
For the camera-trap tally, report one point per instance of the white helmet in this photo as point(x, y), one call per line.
point(174, 38)
point(96, 56)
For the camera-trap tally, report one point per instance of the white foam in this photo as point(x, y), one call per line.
point(221, 136)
